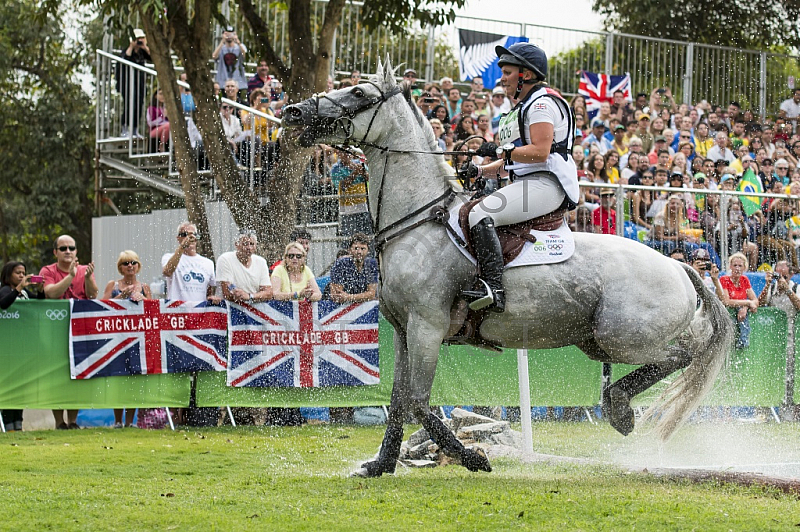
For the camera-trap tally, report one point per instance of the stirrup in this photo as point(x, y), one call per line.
point(481, 299)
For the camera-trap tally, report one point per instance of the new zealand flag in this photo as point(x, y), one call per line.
point(109, 338)
point(303, 344)
point(476, 55)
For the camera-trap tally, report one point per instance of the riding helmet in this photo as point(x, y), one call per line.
point(526, 55)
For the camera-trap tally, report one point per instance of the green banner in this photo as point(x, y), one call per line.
point(752, 376)
point(464, 376)
point(34, 357)
point(35, 373)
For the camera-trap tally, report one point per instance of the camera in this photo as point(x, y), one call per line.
point(429, 100)
point(36, 279)
point(264, 100)
point(139, 42)
point(705, 265)
point(661, 90)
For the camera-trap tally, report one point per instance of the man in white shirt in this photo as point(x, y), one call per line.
point(790, 109)
point(189, 276)
point(244, 276)
point(720, 150)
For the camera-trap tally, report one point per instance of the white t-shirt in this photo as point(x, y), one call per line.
point(191, 278)
point(231, 270)
point(792, 109)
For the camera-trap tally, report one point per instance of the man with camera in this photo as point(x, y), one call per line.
point(701, 261)
point(229, 58)
point(190, 277)
point(132, 92)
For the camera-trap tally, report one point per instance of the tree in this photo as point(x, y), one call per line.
point(737, 23)
point(47, 134)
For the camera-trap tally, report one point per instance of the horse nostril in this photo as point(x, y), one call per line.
point(294, 112)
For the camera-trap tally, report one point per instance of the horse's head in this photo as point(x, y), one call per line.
point(345, 114)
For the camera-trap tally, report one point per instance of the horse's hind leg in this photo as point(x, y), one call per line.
point(393, 437)
point(617, 397)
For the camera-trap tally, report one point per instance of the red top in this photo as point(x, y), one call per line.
point(735, 292)
point(76, 290)
point(606, 220)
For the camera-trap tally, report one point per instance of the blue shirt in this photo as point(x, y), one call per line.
point(345, 273)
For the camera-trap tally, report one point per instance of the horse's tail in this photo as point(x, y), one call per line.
point(708, 340)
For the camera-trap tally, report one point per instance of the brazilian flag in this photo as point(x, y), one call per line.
point(750, 183)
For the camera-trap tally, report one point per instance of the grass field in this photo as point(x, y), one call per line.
point(268, 478)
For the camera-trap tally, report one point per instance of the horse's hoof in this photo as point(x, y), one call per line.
point(371, 470)
point(476, 460)
point(617, 405)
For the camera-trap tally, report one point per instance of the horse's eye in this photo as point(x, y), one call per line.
point(358, 93)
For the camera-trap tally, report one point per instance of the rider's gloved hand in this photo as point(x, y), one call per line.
point(468, 172)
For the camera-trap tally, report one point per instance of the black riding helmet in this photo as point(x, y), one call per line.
point(523, 55)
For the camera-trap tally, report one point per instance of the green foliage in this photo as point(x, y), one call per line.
point(394, 15)
point(260, 478)
point(47, 134)
point(738, 23)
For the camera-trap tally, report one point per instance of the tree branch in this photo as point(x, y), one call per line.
point(262, 36)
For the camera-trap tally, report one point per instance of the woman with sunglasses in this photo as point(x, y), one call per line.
point(128, 287)
point(292, 279)
point(232, 127)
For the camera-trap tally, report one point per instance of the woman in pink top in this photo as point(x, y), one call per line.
point(158, 121)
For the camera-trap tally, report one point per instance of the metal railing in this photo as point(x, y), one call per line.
point(621, 197)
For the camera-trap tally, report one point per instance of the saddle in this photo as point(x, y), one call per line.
point(512, 237)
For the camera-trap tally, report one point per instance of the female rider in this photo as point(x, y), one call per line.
point(535, 139)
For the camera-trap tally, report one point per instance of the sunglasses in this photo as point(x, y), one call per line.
point(64, 248)
point(294, 256)
point(226, 107)
point(129, 263)
point(781, 168)
point(184, 234)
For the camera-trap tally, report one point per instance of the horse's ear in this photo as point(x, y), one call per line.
point(388, 73)
point(379, 70)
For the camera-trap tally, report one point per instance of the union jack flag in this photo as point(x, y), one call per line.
point(599, 88)
point(109, 338)
point(303, 344)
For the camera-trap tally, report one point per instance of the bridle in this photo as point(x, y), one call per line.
point(344, 123)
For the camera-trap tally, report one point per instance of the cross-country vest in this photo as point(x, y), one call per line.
point(513, 129)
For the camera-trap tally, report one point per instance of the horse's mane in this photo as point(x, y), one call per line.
point(385, 76)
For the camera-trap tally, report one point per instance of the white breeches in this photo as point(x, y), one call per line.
point(526, 198)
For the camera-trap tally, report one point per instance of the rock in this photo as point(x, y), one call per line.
point(419, 463)
point(482, 431)
point(418, 437)
point(462, 418)
point(418, 452)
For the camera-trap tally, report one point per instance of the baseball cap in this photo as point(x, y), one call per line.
point(410, 71)
point(641, 116)
point(660, 138)
point(700, 254)
point(725, 177)
point(619, 127)
point(138, 34)
point(606, 192)
point(597, 122)
point(228, 28)
point(700, 175)
point(499, 90)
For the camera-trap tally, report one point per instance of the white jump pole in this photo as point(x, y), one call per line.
point(525, 402)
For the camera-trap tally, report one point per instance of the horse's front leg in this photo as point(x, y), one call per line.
point(393, 437)
point(424, 344)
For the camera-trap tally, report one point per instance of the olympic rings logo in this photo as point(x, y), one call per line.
point(56, 315)
point(555, 247)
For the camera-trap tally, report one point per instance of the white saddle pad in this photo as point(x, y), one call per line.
point(550, 247)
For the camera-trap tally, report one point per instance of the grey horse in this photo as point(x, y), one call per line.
point(617, 300)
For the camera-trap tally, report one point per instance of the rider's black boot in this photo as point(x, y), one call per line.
point(490, 259)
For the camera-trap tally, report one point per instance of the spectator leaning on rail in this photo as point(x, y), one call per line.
point(349, 176)
point(190, 277)
point(738, 294)
point(244, 276)
point(354, 278)
point(67, 279)
point(16, 284)
point(293, 279)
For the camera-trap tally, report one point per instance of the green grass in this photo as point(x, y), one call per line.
point(262, 478)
